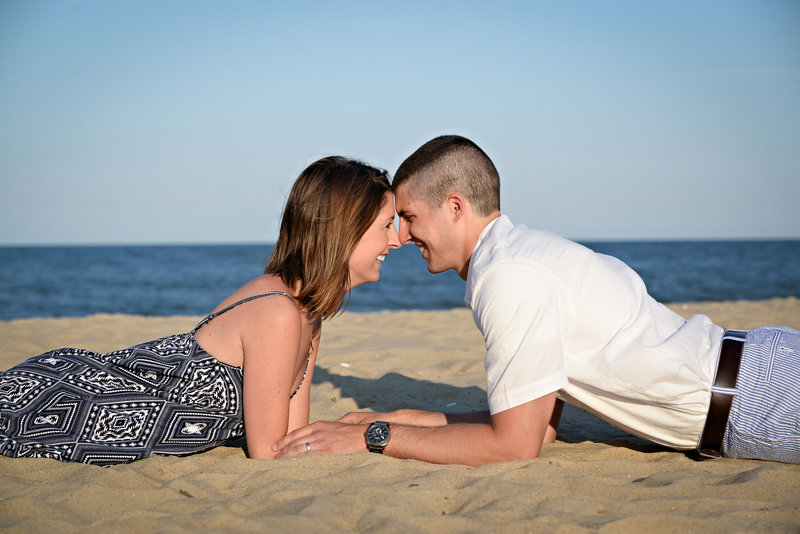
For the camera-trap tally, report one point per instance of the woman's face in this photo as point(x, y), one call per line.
point(365, 263)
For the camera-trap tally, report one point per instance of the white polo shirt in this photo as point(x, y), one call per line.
point(556, 316)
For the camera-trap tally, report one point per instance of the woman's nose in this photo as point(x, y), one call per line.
point(394, 239)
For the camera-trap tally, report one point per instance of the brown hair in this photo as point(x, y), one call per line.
point(330, 207)
point(447, 164)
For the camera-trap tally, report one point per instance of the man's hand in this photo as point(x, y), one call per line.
point(323, 437)
point(346, 435)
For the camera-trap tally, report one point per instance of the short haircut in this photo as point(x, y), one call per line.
point(448, 164)
point(330, 207)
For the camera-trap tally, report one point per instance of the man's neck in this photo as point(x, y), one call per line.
point(475, 231)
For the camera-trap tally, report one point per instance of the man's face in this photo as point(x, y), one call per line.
point(428, 228)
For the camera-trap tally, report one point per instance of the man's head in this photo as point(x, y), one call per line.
point(446, 192)
point(451, 163)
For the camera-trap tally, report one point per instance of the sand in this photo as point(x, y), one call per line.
point(593, 479)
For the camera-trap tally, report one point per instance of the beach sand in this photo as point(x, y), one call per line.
point(593, 479)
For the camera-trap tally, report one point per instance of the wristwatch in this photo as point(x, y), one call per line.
point(377, 436)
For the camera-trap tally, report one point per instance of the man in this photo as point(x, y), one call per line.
point(562, 323)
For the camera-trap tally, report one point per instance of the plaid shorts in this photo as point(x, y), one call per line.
point(764, 421)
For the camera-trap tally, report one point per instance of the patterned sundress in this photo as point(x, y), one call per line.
point(167, 396)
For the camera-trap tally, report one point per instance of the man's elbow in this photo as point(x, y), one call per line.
point(511, 452)
point(550, 435)
point(527, 451)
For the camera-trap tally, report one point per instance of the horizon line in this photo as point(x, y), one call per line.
point(272, 243)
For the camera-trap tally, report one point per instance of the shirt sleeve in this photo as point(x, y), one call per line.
point(520, 312)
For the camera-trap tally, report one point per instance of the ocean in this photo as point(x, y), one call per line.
point(192, 280)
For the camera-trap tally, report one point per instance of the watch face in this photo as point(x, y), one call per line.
point(378, 434)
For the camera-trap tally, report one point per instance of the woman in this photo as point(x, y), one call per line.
point(248, 365)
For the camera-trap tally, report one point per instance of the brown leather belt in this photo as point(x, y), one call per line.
point(730, 356)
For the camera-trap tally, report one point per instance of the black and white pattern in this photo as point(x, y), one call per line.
point(166, 396)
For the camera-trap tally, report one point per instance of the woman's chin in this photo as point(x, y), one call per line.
point(373, 277)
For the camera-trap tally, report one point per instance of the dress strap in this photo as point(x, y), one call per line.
point(248, 299)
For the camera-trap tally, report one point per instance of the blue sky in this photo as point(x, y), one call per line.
point(187, 121)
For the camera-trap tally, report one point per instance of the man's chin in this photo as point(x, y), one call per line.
point(434, 269)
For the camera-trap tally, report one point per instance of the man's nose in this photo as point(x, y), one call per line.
point(404, 235)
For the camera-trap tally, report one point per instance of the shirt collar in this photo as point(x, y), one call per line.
point(472, 273)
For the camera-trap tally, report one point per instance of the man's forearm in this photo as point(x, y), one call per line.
point(482, 418)
point(467, 444)
point(512, 434)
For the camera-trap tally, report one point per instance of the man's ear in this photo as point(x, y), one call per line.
point(456, 205)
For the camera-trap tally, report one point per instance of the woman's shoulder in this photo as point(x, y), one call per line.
point(266, 291)
point(255, 314)
point(266, 283)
